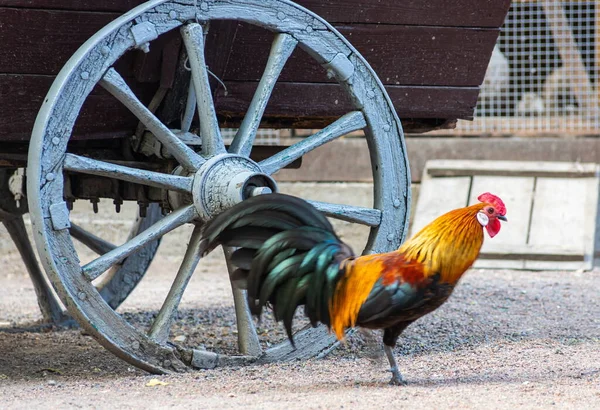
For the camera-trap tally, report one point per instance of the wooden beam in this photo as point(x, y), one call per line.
point(454, 168)
point(534, 253)
point(330, 162)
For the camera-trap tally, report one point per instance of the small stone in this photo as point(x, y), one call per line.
point(173, 14)
point(390, 237)
point(105, 50)
point(180, 338)
point(135, 345)
point(387, 127)
point(52, 383)
point(50, 176)
point(56, 140)
point(85, 75)
point(281, 15)
point(397, 203)
point(309, 29)
point(370, 93)
point(204, 6)
point(81, 295)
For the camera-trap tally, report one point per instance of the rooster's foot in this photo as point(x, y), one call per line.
point(397, 379)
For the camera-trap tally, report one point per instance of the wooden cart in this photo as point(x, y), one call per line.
point(136, 112)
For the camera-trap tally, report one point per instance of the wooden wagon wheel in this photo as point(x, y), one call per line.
point(114, 286)
point(211, 180)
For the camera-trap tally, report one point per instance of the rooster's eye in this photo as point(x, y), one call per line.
point(490, 211)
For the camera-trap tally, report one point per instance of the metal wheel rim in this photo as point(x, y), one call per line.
point(92, 61)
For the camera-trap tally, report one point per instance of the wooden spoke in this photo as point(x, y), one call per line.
point(95, 243)
point(190, 109)
point(349, 213)
point(281, 50)
point(350, 122)
point(115, 84)
point(193, 38)
point(174, 220)
point(162, 324)
point(156, 179)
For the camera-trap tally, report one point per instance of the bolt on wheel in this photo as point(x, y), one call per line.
point(209, 180)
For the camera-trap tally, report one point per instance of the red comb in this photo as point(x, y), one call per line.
point(495, 201)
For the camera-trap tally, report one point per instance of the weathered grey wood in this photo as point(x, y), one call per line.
point(349, 213)
point(564, 215)
point(281, 49)
point(172, 221)
point(447, 168)
point(161, 326)
point(248, 343)
point(193, 38)
point(348, 123)
point(87, 67)
point(91, 166)
point(312, 340)
point(528, 252)
point(115, 84)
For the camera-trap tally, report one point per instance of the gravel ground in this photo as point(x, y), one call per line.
point(505, 339)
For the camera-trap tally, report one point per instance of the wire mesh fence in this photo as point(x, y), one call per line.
point(264, 136)
point(543, 74)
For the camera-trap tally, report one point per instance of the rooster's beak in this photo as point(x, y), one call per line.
point(502, 218)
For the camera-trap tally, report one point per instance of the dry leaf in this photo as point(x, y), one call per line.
point(156, 382)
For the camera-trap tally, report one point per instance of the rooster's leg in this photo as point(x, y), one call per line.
point(397, 378)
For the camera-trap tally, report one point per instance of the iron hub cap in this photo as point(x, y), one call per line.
point(226, 180)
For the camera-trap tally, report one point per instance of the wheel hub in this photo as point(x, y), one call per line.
point(226, 180)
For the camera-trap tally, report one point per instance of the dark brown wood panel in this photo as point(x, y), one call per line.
point(462, 13)
point(400, 55)
point(84, 5)
point(102, 115)
point(302, 105)
point(467, 13)
point(40, 41)
point(292, 105)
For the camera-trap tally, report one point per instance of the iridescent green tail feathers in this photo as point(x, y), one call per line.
point(288, 255)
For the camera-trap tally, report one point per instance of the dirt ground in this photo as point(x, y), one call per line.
point(506, 339)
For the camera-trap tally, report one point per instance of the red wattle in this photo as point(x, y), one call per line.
point(493, 227)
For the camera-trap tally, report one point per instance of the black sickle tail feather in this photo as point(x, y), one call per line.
point(288, 255)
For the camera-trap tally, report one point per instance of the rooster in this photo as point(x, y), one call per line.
point(289, 255)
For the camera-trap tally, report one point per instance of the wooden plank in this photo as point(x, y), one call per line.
point(555, 126)
point(329, 165)
point(534, 253)
point(298, 105)
point(84, 5)
point(438, 196)
point(102, 116)
point(292, 105)
point(450, 168)
point(468, 13)
point(401, 55)
point(41, 41)
point(422, 149)
point(561, 212)
point(463, 13)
